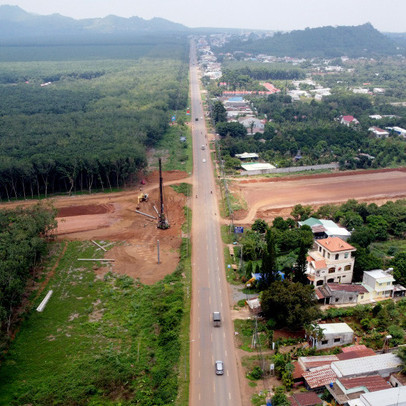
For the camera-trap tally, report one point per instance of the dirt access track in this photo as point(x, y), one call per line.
point(112, 218)
point(268, 198)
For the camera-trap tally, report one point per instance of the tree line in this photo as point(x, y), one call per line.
point(22, 246)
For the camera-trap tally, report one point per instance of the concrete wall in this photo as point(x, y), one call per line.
point(291, 169)
point(345, 338)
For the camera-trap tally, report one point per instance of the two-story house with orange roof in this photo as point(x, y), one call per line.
point(330, 262)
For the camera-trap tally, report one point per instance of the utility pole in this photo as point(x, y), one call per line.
point(162, 222)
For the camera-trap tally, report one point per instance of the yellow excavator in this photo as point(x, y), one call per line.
point(142, 197)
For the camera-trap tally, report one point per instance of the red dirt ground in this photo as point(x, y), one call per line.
point(272, 197)
point(112, 218)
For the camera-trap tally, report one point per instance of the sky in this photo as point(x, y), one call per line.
point(285, 15)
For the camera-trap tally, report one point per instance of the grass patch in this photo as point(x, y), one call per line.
point(388, 249)
point(232, 276)
point(245, 329)
point(102, 340)
point(185, 188)
point(226, 235)
point(178, 154)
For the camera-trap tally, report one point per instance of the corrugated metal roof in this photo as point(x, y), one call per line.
point(304, 399)
point(254, 166)
point(373, 383)
point(387, 397)
point(316, 361)
point(347, 287)
point(366, 365)
point(320, 377)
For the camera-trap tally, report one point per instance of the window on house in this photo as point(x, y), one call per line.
point(337, 256)
point(324, 253)
point(319, 283)
point(324, 342)
point(346, 255)
point(337, 340)
point(319, 249)
point(331, 270)
point(328, 255)
point(331, 280)
point(388, 283)
point(347, 268)
point(362, 296)
point(337, 299)
point(350, 298)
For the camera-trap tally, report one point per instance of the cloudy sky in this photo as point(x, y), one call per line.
point(385, 15)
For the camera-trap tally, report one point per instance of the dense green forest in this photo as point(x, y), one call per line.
point(89, 127)
point(330, 42)
point(22, 246)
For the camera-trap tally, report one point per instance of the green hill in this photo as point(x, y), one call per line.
point(330, 42)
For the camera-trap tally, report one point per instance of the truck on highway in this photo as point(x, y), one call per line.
point(216, 319)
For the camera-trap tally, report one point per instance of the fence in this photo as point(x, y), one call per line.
point(291, 169)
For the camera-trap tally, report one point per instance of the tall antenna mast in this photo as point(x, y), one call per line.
point(162, 222)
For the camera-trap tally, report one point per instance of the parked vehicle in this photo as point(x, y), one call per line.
point(216, 319)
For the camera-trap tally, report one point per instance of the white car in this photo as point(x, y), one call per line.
point(204, 160)
point(219, 367)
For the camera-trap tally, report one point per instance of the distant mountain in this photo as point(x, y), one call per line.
point(17, 24)
point(330, 42)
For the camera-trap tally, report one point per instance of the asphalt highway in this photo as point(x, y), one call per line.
point(209, 286)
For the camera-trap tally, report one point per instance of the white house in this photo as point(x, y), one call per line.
point(349, 120)
point(334, 335)
point(331, 261)
point(378, 132)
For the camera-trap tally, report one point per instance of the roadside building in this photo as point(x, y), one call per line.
point(318, 378)
point(340, 293)
point(325, 228)
point(334, 335)
point(330, 262)
point(254, 168)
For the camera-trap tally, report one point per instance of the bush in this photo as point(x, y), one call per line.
point(255, 374)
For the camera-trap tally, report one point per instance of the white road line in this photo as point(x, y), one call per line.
point(228, 373)
point(229, 395)
point(198, 304)
point(211, 337)
point(209, 299)
point(199, 354)
point(200, 397)
point(224, 334)
point(214, 387)
point(225, 353)
point(220, 292)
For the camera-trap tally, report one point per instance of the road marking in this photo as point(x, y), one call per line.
point(199, 354)
point(199, 397)
point(198, 304)
point(211, 337)
point(228, 373)
point(224, 334)
point(225, 353)
point(199, 336)
point(209, 299)
point(220, 292)
point(229, 395)
point(214, 387)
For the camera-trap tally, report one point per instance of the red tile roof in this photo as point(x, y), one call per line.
point(320, 377)
point(347, 287)
point(335, 244)
point(319, 293)
point(304, 399)
point(348, 118)
point(372, 383)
